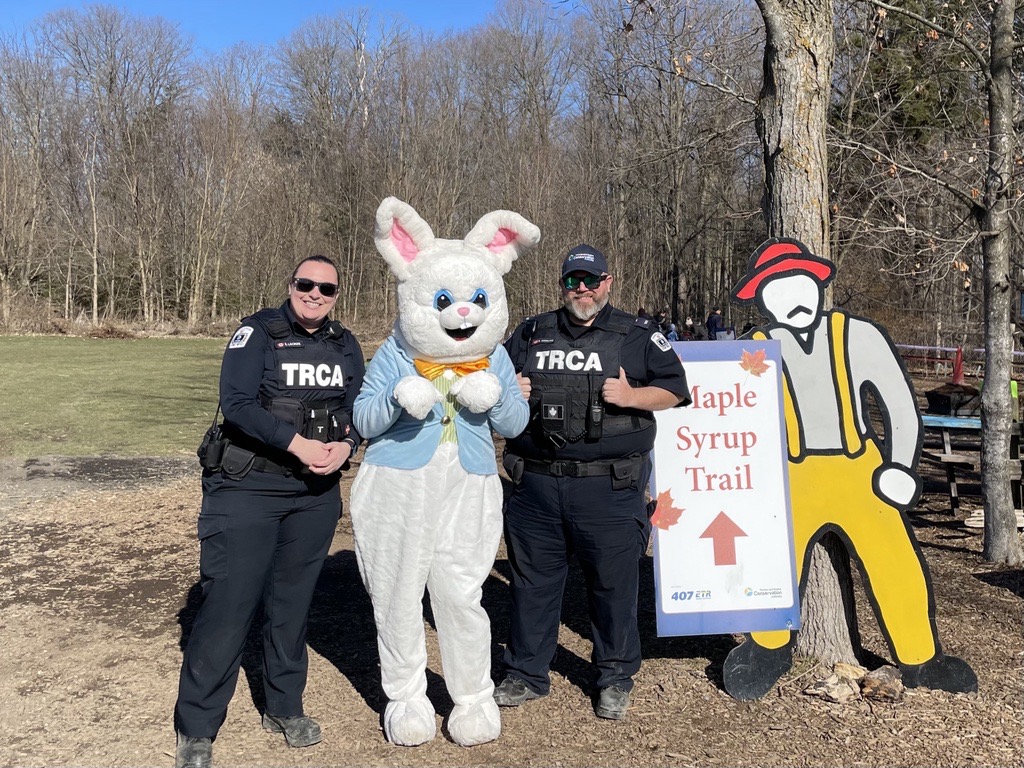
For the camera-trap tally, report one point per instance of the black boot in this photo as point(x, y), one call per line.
point(298, 731)
point(193, 752)
point(941, 673)
point(750, 670)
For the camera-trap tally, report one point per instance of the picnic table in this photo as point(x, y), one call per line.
point(947, 457)
point(948, 428)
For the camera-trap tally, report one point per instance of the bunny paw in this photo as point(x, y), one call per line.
point(478, 391)
point(416, 395)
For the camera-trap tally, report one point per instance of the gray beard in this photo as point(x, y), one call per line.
point(587, 314)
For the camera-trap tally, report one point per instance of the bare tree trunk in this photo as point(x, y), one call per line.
point(791, 117)
point(94, 252)
point(828, 621)
point(1002, 544)
point(67, 284)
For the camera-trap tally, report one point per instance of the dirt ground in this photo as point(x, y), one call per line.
point(98, 568)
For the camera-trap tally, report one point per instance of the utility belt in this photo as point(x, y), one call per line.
point(323, 421)
point(218, 454)
point(625, 472)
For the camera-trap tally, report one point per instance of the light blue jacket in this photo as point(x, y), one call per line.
point(398, 440)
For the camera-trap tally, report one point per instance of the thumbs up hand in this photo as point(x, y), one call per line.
point(618, 391)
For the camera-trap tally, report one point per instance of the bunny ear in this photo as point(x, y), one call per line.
point(400, 235)
point(504, 235)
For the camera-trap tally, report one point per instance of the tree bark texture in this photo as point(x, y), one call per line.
point(1002, 544)
point(828, 621)
point(791, 117)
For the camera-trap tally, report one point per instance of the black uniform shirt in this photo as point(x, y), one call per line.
point(245, 366)
point(646, 358)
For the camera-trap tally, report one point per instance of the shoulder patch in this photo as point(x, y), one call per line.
point(661, 342)
point(643, 322)
point(241, 337)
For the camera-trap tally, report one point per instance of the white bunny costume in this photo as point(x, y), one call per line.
point(426, 503)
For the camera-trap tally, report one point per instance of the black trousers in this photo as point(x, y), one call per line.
point(547, 521)
point(262, 539)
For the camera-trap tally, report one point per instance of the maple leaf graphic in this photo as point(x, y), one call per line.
point(665, 513)
point(754, 363)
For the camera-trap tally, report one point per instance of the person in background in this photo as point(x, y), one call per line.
point(714, 323)
point(662, 319)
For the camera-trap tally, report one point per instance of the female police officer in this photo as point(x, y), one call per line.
point(270, 506)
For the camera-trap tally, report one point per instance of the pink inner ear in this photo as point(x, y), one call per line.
point(502, 238)
point(403, 242)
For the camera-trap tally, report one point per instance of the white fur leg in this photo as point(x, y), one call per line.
point(478, 391)
point(409, 723)
point(476, 724)
point(416, 395)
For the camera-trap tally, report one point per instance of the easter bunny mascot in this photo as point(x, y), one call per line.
point(426, 503)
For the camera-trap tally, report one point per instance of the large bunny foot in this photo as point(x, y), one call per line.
point(475, 724)
point(409, 723)
point(478, 391)
point(416, 395)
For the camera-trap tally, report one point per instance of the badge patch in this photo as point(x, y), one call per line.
point(661, 342)
point(241, 337)
point(553, 412)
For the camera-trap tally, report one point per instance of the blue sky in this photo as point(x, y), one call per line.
point(217, 24)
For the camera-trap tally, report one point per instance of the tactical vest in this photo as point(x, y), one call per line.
point(566, 377)
point(300, 365)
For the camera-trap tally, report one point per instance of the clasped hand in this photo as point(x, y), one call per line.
point(320, 458)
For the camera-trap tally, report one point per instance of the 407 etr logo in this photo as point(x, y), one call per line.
point(700, 594)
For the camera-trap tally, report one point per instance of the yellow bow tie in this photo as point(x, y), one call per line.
point(430, 370)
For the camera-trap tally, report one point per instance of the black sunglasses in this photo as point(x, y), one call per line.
point(571, 282)
point(305, 285)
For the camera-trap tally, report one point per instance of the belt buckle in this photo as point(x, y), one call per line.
point(571, 469)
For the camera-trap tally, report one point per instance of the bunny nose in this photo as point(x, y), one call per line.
point(463, 311)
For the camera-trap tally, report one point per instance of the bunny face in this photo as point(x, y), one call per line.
point(451, 295)
point(452, 309)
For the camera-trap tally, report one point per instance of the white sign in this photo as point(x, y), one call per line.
point(723, 533)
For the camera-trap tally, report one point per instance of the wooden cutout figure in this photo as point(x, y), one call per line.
point(843, 477)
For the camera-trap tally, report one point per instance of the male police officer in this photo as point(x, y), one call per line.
point(270, 506)
point(593, 375)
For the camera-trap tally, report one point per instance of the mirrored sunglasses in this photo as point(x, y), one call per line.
point(304, 285)
point(572, 282)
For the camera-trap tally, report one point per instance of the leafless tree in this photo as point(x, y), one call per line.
point(936, 147)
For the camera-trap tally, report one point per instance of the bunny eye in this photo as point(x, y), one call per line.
point(480, 298)
point(443, 300)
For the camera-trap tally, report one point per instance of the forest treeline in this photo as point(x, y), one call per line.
point(145, 182)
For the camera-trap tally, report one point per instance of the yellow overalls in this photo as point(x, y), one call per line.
point(837, 490)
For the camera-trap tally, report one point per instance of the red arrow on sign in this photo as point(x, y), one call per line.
point(723, 532)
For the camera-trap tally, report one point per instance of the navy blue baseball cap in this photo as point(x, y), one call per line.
point(584, 258)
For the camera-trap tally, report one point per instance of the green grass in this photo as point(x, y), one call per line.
point(105, 397)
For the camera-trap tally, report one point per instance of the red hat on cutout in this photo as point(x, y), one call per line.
point(777, 257)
